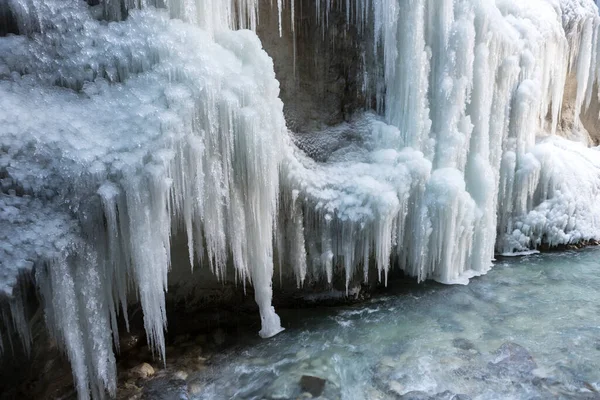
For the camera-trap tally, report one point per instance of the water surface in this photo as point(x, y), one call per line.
point(530, 329)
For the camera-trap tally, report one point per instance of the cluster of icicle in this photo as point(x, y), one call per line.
point(170, 121)
point(456, 172)
point(147, 125)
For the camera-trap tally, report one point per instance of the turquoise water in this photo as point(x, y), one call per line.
point(530, 329)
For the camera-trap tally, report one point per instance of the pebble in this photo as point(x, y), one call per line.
point(143, 370)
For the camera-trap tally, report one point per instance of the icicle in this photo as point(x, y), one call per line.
point(279, 13)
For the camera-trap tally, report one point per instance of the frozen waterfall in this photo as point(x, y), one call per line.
point(124, 122)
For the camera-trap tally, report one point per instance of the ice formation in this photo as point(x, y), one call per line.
point(122, 123)
point(138, 126)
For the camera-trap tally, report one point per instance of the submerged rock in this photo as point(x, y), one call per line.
point(463, 344)
point(514, 357)
point(415, 395)
point(396, 387)
point(447, 395)
point(165, 389)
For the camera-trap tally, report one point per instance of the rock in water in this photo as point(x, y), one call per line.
point(144, 370)
point(416, 395)
point(165, 389)
point(447, 395)
point(463, 344)
point(312, 384)
point(514, 358)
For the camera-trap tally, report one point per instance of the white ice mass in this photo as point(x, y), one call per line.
point(122, 123)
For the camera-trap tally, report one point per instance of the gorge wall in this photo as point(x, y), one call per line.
point(421, 135)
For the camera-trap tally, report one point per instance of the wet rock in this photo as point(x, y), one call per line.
point(552, 388)
point(192, 359)
point(514, 358)
point(143, 370)
point(165, 389)
point(312, 384)
point(463, 344)
point(129, 391)
point(128, 341)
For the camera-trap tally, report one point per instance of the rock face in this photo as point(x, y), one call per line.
point(590, 119)
point(586, 126)
point(320, 66)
